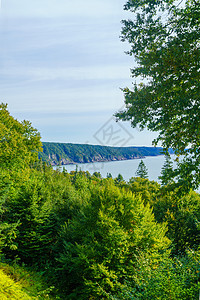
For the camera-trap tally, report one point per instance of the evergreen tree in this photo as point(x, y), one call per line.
point(166, 171)
point(142, 170)
point(97, 174)
point(109, 175)
point(119, 178)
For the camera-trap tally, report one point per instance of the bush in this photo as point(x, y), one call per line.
point(100, 244)
point(175, 279)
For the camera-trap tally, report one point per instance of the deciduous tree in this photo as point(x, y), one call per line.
point(165, 41)
point(19, 141)
point(101, 244)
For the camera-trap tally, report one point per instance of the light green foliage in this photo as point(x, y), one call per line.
point(182, 213)
point(95, 238)
point(142, 170)
point(10, 290)
point(19, 142)
point(20, 283)
point(175, 279)
point(146, 188)
point(88, 234)
point(100, 245)
point(165, 38)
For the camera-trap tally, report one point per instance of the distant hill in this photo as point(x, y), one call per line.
point(67, 153)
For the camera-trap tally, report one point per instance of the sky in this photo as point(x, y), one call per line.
point(62, 67)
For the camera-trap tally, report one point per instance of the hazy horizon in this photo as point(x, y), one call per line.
point(62, 67)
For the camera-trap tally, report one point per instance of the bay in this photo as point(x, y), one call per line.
point(126, 168)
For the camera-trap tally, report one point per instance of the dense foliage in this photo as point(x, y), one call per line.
point(20, 283)
point(19, 141)
point(104, 238)
point(102, 242)
point(99, 238)
point(94, 237)
point(165, 40)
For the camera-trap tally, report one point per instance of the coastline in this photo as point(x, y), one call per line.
point(101, 161)
point(63, 154)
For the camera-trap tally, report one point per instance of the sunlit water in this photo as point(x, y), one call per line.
point(126, 168)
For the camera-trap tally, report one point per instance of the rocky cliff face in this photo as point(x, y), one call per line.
point(54, 161)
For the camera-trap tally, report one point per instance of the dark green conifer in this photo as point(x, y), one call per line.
point(119, 178)
point(142, 170)
point(166, 172)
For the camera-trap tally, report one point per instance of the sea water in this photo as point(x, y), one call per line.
point(127, 168)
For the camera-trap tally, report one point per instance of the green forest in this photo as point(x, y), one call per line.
point(67, 153)
point(80, 236)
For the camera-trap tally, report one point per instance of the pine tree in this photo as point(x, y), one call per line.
point(119, 178)
point(166, 172)
point(142, 170)
point(109, 175)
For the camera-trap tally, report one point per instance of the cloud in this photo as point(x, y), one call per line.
point(62, 64)
point(64, 100)
point(98, 72)
point(59, 8)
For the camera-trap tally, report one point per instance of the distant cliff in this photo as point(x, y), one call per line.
point(67, 153)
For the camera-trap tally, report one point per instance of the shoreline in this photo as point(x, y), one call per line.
point(103, 161)
point(56, 154)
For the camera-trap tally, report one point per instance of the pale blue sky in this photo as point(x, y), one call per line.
point(62, 65)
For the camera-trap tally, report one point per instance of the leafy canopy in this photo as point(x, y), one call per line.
point(100, 245)
point(19, 141)
point(165, 40)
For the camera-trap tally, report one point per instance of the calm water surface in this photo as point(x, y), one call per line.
point(126, 168)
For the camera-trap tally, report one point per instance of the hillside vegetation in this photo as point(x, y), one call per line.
point(89, 237)
point(10, 289)
point(80, 236)
point(18, 283)
point(67, 153)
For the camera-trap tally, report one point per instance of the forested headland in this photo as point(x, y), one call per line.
point(68, 153)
